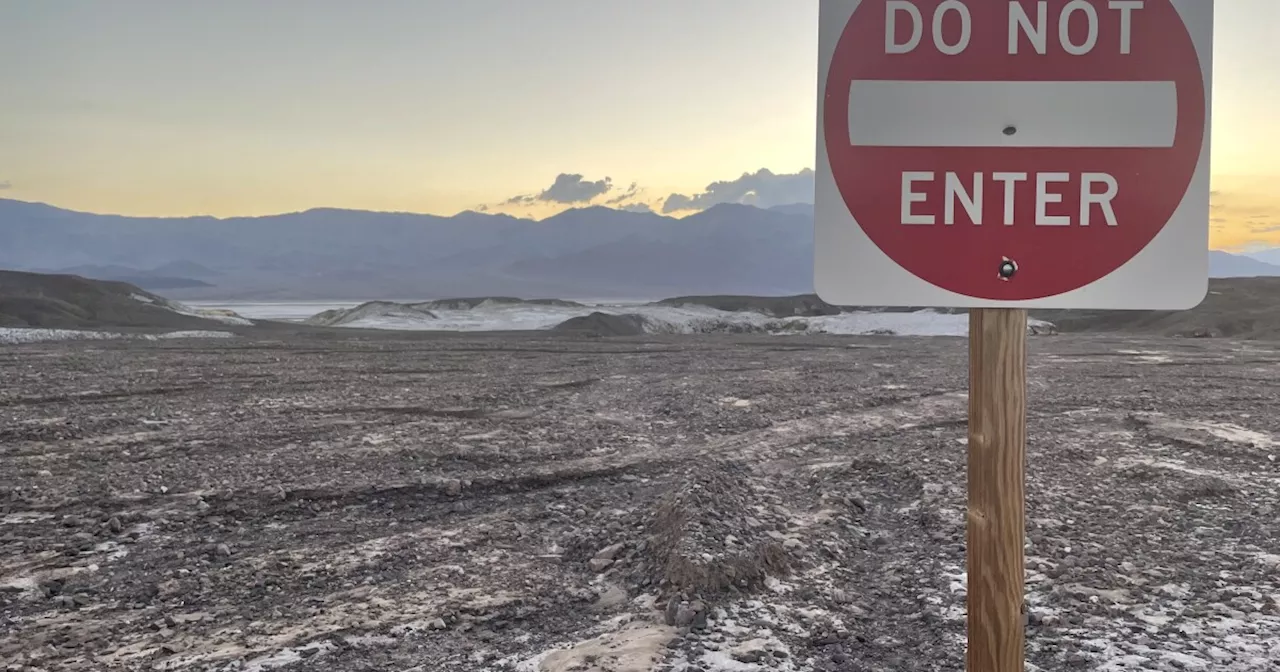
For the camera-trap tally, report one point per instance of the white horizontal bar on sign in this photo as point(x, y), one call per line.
point(891, 113)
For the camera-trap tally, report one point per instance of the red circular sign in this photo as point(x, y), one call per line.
point(966, 258)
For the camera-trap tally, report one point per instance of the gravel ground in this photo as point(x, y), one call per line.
point(527, 504)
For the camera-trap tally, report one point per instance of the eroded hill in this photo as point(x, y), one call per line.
point(38, 300)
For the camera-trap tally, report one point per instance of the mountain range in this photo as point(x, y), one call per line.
point(592, 252)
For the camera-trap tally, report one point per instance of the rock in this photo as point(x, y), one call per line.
point(685, 617)
point(701, 616)
point(673, 609)
point(222, 551)
point(611, 598)
point(452, 487)
point(610, 552)
point(599, 564)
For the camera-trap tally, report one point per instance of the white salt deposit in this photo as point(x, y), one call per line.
point(15, 336)
point(215, 314)
point(657, 319)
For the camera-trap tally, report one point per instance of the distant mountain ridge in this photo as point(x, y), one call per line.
point(338, 254)
point(1268, 255)
point(1227, 265)
point(327, 253)
point(174, 275)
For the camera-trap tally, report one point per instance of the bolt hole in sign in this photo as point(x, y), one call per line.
point(1070, 137)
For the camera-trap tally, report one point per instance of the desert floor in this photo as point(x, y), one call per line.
point(521, 503)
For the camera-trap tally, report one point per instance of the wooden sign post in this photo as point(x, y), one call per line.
point(1001, 157)
point(997, 474)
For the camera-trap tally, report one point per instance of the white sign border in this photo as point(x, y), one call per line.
point(1170, 273)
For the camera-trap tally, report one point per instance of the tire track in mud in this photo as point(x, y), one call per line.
point(811, 436)
point(754, 445)
point(91, 397)
point(761, 444)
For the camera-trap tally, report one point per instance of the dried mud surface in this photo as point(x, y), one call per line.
point(684, 503)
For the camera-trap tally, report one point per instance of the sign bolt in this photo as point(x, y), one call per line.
point(1008, 268)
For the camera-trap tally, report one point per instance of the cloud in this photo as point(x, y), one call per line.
point(628, 201)
point(632, 191)
point(568, 188)
point(763, 189)
point(574, 189)
point(5, 184)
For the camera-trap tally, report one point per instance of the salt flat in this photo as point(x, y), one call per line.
point(531, 503)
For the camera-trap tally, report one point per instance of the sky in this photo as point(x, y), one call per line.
point(245, 107)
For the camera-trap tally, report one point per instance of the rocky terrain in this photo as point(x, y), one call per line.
point(415, 502)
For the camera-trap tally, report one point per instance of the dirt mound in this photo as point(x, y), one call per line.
point(713, 325)
point(804, 305)
point(38, 300)
point(475, 302)
point(602, 324)
point(705, 541)
point(370, 311)
point(607, 324)
point(1245, 308)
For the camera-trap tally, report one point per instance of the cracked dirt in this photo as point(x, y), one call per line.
point(533, 504)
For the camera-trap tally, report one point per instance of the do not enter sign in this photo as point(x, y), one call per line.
point(1028, 152)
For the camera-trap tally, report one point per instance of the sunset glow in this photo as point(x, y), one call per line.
point(148, 107)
